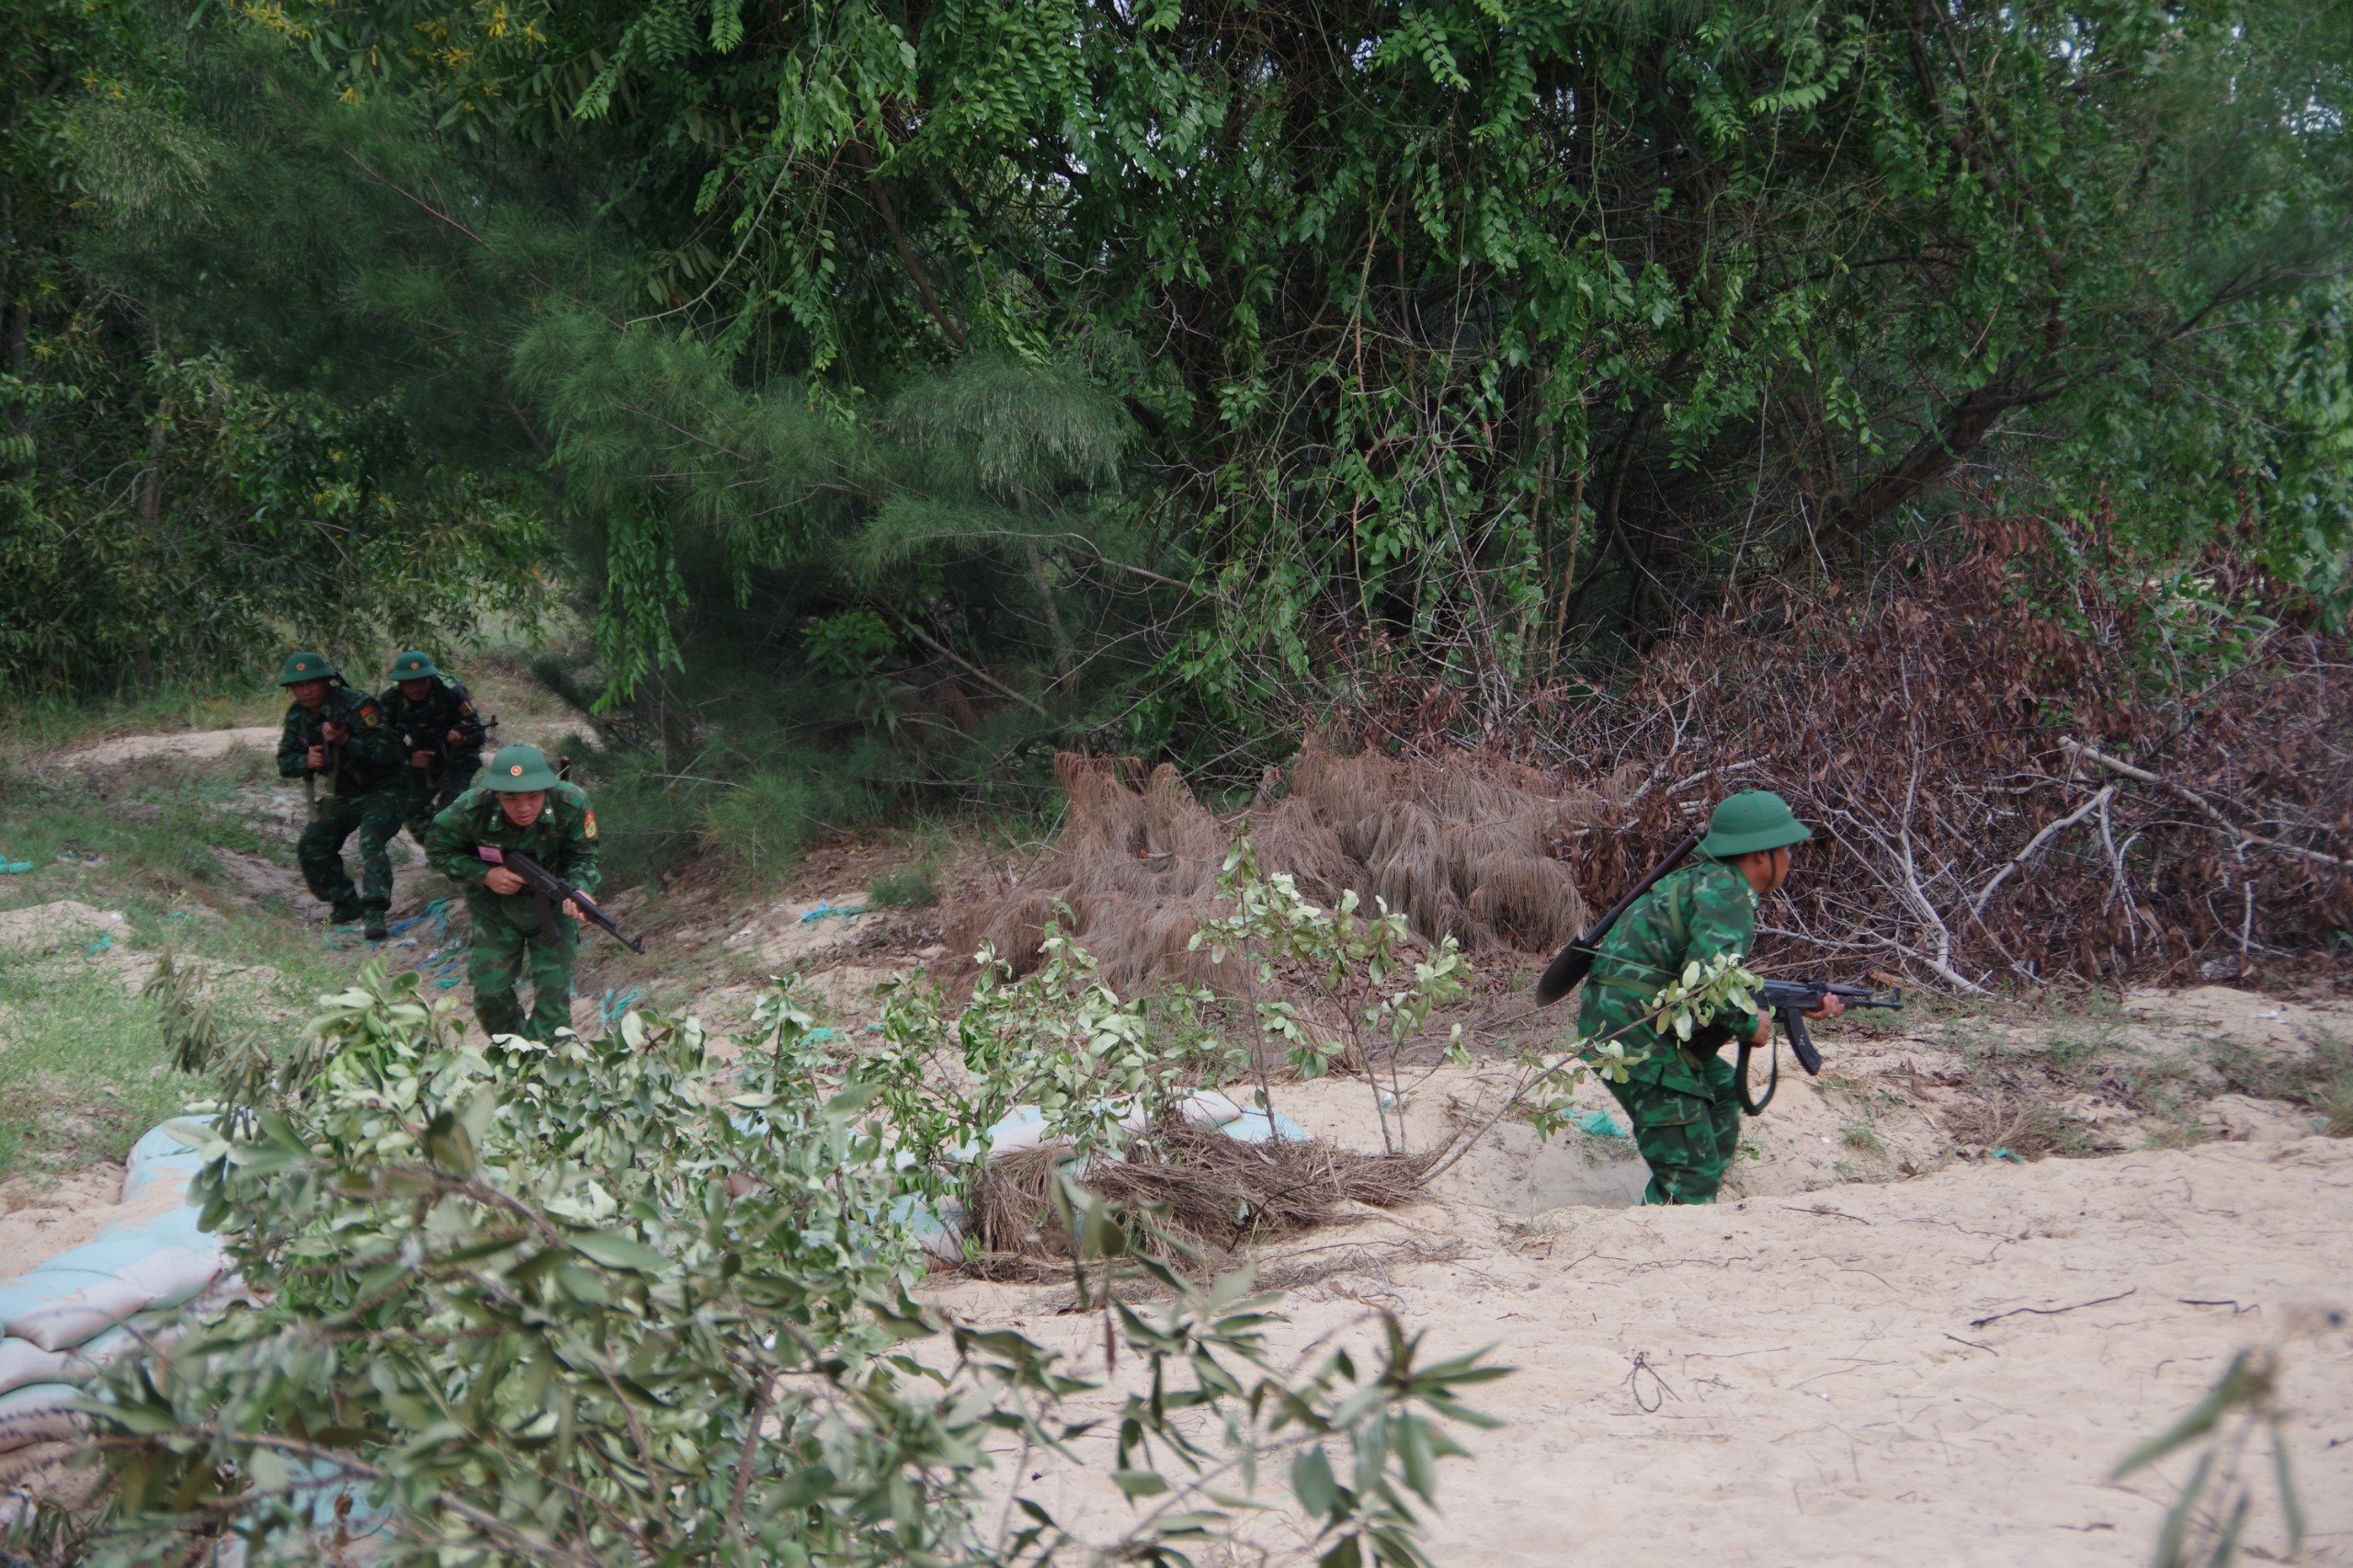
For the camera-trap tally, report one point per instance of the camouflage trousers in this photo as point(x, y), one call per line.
point(422, 803)
point(1688, 1140)
point(376, 816)
point(501, 952)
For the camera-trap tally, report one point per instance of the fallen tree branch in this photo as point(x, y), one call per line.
point(2182, 792)
point(2034, 845)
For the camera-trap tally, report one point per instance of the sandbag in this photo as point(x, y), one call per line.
point(1245, 1124)
point(161, 1276)
point(49, 1283)
point(38, 1413)
point(22, 1362)
point(159, 1156)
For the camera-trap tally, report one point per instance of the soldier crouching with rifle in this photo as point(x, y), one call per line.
point(335, 741)
point(441, 730)
point(524, 848)
point(1684, 1099)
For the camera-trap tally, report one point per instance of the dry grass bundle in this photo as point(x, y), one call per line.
point(1209, 1194)
point(1469, 848)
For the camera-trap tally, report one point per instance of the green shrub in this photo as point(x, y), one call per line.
point(765, 819)
point(904, 886)
point(504, 1294)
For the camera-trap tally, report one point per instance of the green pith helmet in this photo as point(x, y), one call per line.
point(518, 770)
point(414, 665)
point(1750, 821)
point(307, 666)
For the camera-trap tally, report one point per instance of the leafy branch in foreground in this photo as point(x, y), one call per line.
point(592, 1303)
point(2207, 1521)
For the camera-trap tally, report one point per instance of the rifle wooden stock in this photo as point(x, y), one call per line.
point(1573, 963)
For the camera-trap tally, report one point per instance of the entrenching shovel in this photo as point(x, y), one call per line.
point(1573, 963)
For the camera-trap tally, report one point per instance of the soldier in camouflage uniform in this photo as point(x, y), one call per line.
point(1681, 1101)
point(335, 738)
point(441, 733)
point(523, 806)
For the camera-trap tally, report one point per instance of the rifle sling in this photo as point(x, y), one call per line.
point(1773, 1083)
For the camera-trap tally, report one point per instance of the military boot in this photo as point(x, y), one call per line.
point(376, 931)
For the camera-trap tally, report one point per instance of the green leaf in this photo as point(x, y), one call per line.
point(1313, 1483)
point(1139, 1482)
point(617, 1251)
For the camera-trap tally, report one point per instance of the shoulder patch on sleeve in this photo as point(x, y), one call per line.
point(589, 825)
point(371, 715)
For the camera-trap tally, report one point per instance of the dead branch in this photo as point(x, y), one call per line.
point(2182, 792)
point(2034, 846)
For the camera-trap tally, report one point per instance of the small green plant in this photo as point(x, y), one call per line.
point(855, 647)
point(1352, 963)
point(1862, 1137)
point(2319, 1077)
point(904, 886)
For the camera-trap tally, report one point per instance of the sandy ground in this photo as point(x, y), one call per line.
point(1832, 1365)
point(40, 1218)
point(1785, 1381)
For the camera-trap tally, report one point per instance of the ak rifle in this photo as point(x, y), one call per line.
point(552, 890)
point(1789, 1001)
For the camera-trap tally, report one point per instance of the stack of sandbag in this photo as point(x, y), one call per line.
point(73, 1313)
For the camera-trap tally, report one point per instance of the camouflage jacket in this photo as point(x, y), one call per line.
point(1696, 913)
point(563, 840)
point(427, 725)
point(370, 757)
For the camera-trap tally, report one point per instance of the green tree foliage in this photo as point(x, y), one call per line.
point(1491, 330)
point(189, 478)
point(255, 517)
point(1330, 343)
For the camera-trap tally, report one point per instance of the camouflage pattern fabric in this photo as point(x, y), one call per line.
point(506, 933)
point(1687, 1141)
point(495, 965)
point(359, 794)
point(370, 757)
point(426, 726)
point(1686, 1116)
point(376, 816)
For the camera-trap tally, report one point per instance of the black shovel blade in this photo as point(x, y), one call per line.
point(1564, 973)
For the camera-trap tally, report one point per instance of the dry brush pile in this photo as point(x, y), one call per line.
point(2026, 762)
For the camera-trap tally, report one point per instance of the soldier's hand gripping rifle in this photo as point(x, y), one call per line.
point(437, 743)
point(317, 741)
point(1789, 1001)
point(553, 891)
